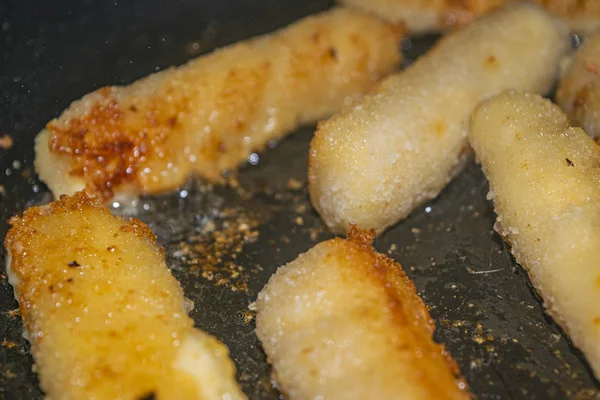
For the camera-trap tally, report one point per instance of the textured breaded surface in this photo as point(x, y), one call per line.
point(579, 90)
point(545, 181)
point(105, 317)
point(376, 161)
point(423, 16)
point(210, 114)
point(344, 322)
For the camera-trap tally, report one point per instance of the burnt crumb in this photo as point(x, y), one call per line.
point(133, 108)
point(51, 288)
point(333, 53)
point(148, 396)
point(569, 162)
point(74, 264)
point(111, 249)
point(70, 280)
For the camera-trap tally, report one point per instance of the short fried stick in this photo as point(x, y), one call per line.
point(545, 182)
point(344, 322)
point(105, 317)
point(427, 16)
point(579, 90)
point(373, 163)
point(207, 116)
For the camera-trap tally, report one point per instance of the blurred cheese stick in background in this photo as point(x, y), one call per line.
point(373, 163)
point(105, 317)
point(545, 182)
point(207, 116)
point(427, 16)
point(344, 322)
point(579, 90)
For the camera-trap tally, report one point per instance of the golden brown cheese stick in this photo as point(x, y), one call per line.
point(207, 116)
point(373, 163)
point(105, 317)
point(545, 182)
point(344, 322)
point(427, 16)
point(579, 90)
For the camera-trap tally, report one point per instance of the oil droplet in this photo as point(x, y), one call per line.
point(253, 158)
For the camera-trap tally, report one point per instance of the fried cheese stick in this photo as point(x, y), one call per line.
point(207, 116)
point(373, 163)
point(579, 90)
point(545, 182)
point(105, 317)
point(428, 16)
point(344, 322)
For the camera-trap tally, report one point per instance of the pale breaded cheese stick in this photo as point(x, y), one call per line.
point(344, 322)
point(545, 182)
point(579, 90)
point(207, 116)
point(105, 317)
point(374, 162)
point(428, 16)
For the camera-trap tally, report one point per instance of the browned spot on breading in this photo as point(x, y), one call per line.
point(238, 100)
point(439, 128)
point(580, 97)
point(333, 53)
point(109, 143)
point(491, 62)
point(591, 67)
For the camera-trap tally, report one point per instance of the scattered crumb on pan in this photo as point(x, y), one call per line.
point(8, 344)
point(6, 141)
point(213, 252)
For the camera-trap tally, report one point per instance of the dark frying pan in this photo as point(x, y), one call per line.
point(485, 309)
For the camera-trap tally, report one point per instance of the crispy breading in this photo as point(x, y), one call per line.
point(579, 90)
point(344, 322)
point(545, 182)
point(207, 116)
point(373, 163)
point(427, 16)
point(105, 317)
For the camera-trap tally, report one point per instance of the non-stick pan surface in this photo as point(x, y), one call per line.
point(223, 243)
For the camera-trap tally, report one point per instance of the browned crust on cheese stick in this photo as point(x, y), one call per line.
point(426, 16)
point(105, 317)
point(207, 116)
point(545, 182)
point(345, 322)
point(578, 93)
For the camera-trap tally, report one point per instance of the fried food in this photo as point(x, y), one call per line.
point(373, 163)
point(427, 16)
point(579, 90)
point(207, 116)
point(545, 182)
point(105, 317)
point(344, 322)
